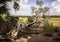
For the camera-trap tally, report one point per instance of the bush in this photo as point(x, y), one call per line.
point(31, 18)
point(48, 29)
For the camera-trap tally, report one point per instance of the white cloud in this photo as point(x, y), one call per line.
point(56, 5)
point(24, 1)
point(25, 9)
point(58, 1)
point(9, 5)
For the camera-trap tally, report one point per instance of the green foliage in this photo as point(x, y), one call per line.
point(31, 18)
point(16, 6)
point(46, 9)
point(40, 10)
point(3, 9)
point(39, 2)
point(1, 22)
point(43, 10)
point(6, 20)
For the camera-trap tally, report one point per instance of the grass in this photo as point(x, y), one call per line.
point(55, 21)
point(23, 20)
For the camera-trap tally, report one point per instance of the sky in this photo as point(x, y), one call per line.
point(25, 7)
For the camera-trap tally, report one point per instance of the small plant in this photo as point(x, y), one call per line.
point(31, 18)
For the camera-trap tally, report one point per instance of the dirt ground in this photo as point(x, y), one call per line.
point(38, 38)
point(22, 39)
point(42, 38)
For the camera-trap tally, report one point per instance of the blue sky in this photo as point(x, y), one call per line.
point(25, 7)
point(48, 1)
point(45, 1)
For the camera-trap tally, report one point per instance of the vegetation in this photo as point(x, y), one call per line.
point(7, 23)
point(31, 19)
point(48, 29)
point(55, 21)
point(12, 26)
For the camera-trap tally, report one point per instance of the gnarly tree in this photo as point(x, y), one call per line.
point(11, 21)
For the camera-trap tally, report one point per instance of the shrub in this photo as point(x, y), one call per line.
point(48, 29)
point(31, 18)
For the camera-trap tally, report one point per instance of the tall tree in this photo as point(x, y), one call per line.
point(41, 11)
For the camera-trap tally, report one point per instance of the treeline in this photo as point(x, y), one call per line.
point(55, 16)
